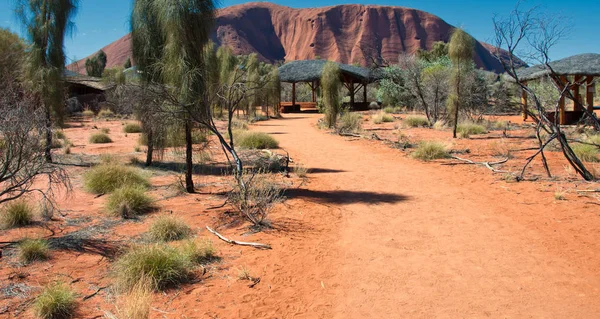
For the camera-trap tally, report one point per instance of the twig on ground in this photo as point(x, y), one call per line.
point(241, 243)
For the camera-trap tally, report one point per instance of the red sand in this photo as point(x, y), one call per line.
point(372, 234)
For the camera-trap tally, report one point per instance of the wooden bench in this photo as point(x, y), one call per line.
point(287, 107)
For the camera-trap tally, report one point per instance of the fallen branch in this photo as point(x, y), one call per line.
point(488, 165)
point(241, 243)
point(350, 135)
point(95, 293)
point(588, 190)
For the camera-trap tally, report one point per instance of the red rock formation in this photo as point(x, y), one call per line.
point(344, 33)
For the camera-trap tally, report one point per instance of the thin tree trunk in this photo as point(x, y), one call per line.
point(456, 102)
point(48, 150)
point(189, 164)
point(149, 154)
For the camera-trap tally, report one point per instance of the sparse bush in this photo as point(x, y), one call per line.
point(256, 198)
point(129, 201)
point(105, 113)
point(349, 122)
point(198, 252)
point(238, 124)
point(107, 177)
point(430, 150)
point(500, 125)
point(100, 138)
point(439, 125)
point(393, 110)
point(105, 130)
point(31, 250)
point(57, 300)
point(301, 170)
point(256, 140)
point(136, 302)
point(16, 214)
point(199, 137)
point(169, 228)
point(467, 129)
point(416, 121)
point(132, 128)
point(382, 117)
point(161, 264)
point(559, 195)
point(88, 113)
point(586, 152)
point(244, 273)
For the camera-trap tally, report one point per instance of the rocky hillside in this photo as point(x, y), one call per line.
point(344, 33)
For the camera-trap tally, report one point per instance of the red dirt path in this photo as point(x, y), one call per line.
point(418, 240)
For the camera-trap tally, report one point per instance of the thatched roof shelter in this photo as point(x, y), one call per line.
point(582, 69)
point(84, 83)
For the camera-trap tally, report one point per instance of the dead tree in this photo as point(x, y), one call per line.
point(525, 28)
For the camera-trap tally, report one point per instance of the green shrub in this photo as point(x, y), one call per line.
point(107, 177)
point(169, 228)
point(105, 113)
point(162, 265)
point(16, 214)
point(392, 110)
point(586, 152)
point(198, 252)
point(430, 150)
point(31, 250)
point(256, 140)
point(88, 113)
point(467, 129)
point(349, 122)
point(132, 128)
point(382, 117)
point(57, 300)
point(129, 201)
point(416, 121)
point(100, 138)
point(199, 137)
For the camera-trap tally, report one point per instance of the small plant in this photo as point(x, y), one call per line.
point(439, 125)
point(586, 152)
point(467, 129)
point(105, 130)
point(382, 117)
point(106, 177)
point(244, 273)
point(255, 197)
point(416, 121)
point(31, 250)
point(16, 214)
point(301, 170)
point(161, 264)
point(392, 110)
point(169, 228)
point(560, 195)
point(500, 125)
point(256, 140)
point(349, 122)
point(129, 201)
point(57, 300)
point(88, 113)
point(100, 138)
point(132, 128)
point(200, 252)
point(135, 303)
point(105, 113)
point(238, 124)
point(430, 150)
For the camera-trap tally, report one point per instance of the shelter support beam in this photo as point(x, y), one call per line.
point(575, 87)
point(561, 103)
point(365, 92)
point(590, 89)
point(293, 94)
point(524, 103)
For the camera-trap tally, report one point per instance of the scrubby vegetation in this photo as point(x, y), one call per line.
point(105, 113)
point(129, 201)
point(132, 128)
point(467, 129)
point(56, 300)
point(586, 152)
point(430, 150)
point(415, 121)
point(31, 250)
point(169, 228)
point(88, 113)
point(198, 251)
point(255, 140)
point(16, 214)
point(110, 175)
point(349, 122)
point(100, 138)
point(382, 117)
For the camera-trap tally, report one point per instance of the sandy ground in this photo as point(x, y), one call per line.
point(371, 233)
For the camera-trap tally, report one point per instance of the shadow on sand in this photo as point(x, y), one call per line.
point(345, 197)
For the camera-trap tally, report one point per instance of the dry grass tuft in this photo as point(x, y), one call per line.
point(255, 140)
point(129, 201)
point(467, 129)
point(106, 113)
point(17, 213)
point(135, 303)
point(169, 228)
point(430, 150)
point(100, 138)
point(57, 300)
point(586, 152)
point(31, 250)
point(416, 121)
point(132, 128)
point(382, 117)
point(349, 122)
point(110, 175)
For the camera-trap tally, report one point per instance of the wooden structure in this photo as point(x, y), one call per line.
point(354, 78)
point(573, 73)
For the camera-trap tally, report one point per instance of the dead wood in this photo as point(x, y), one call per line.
point(235, 242)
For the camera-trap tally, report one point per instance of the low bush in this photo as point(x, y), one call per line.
point(106, 177)
point(467, 129)
point(161, 264)
point(256, 140)
point(132, 128)
point(169, 228)
point(439, 125)
point(57, 300)
point(382, 117)
point(430, 150)
point(88, 113)
point(17, 213)
point(129, 201)
point(301, 170)
point(416, 121)
point(257, 198)
point(586, 152)
point(349, 122)
point(198, 252)
point(135, 303)
point(393, 110)
point(31, 250)
point(105, 113)
point(100, 138)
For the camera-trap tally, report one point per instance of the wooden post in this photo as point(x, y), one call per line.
point(590, 90)
point(524, 103)
point(576, 96)
point(365, 92)
point(561, 105)
point(313, 87)
point(351, 93)
point(293, 94)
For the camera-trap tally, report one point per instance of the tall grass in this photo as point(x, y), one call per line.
point(108, 176)
point(16, 214)
point(129, 201)
point(382, 117)
point(132, 128)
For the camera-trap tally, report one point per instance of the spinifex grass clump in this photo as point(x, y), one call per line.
point(108, 176)
point(416, 121)
point(132, 128)
point(382, 117)
point(430, 150)
point(30, 250)
point(255, 140)
point(129, 201)
point(16, 214)
point(349, 122)
point(56, 301)
point(586, 152)
point(467, 129)
point(100, 138)
point(169, 228)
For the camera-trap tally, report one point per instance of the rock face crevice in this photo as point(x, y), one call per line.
point(345, 33)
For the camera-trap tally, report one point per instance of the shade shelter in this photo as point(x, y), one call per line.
point(353, 77)
point(573, 72)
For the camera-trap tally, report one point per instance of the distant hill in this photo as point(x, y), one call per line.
point(344, 33)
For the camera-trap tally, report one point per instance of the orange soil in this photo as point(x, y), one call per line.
point(372, 233)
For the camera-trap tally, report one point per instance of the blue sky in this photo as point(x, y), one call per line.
point(100, 22)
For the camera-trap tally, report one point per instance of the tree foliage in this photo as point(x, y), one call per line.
point(96, 65)
point(330, 90)
point(460, 51)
